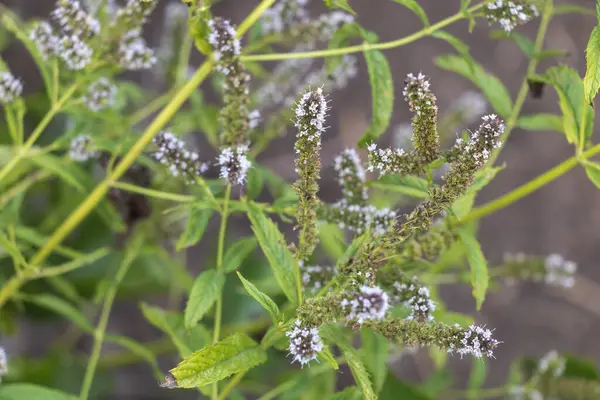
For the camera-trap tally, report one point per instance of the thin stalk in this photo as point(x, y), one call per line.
point(219, 303)
point(529, 187)
point(365, 46)
point(104, 315)
point(37, 131)
point(547, 14)
point(181, 198)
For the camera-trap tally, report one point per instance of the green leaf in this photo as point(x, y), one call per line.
point(582, 368)
point(482, 177)
point(213, 363)
point(274, 247)
point(413, 6)
point(382, 94)
point(343, 4)
point(334, 335)
point(29, 391)
point(412, 186)
point(459, 45)
point(541, 122)
point(592, 169)
point(438, 382)
point(238, 252)
point(374, 353)
point(350, 393)
point(255, 183)
point(137, 349)
point(59, 306)
point(206, 289)
point(598, 11)
point(196, 225)
point(327, 355)
point(265, 301)
point(478, 263)
point(396, 389)
point(173, 325)
point(331, 239)
point(492, 87)
point(524, 43)
point(477, 377)
point(591, 81)
point(575, 110)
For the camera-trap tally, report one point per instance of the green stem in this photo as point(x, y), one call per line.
point(38, 131)
point(365, 46)
point(219, 303)
point(547, 13)
point(529, 187)
point(104, 315)
point(181, 198)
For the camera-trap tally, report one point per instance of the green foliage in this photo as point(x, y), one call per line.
point(20, 391)
point(591, 81)
point(265, 301)
point(541, 122)
point(416, 8)
point(238, 252)
point(206, 289)
point(213, 363)
point(195, 227)
point(479, 268)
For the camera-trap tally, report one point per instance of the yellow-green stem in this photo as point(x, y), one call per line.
point(100, 330)
point(547, 13)
point(365, 46)
point(529, 187)
point(37, 132)
point(219, 303)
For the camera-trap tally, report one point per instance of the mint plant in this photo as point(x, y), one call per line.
point(120, 194)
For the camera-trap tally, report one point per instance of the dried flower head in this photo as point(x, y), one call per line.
point(474, 340)
point(101, 94)
point(43, 36)
point(421, 101)
point(10, 87)
point(510, 13)
point(234, 164)
point(74, 52)
point(351, 177)
point(173, 154)
point(82, 148)
point(368, 303)
point(305, 342)
point(133, 53)
point(358, 218)
point(315, 277)
point(73, 20)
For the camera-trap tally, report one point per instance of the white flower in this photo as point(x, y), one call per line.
point(134, 53)
point(82, 148)
point(559, 271)
point(44, 39)
point(552, 363)
point(368, 303)
point(234, 164)
point(475, 340)
point(10, 87)
point(101, 94)
point(74, 52)
point(305, 342)
point(180, 161)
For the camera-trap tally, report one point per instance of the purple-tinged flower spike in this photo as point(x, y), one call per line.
point(310, 121)
point(173, 154)
point(226, 45)
point(100, 95)
point(45, 39)
point(395, 161)
point(283, 15)
point(134, 14)
point(315, 277)
point(74, 52)
point(82, 148)
point(305, 342)
point(368, 303)
point(553, 270)
point(358, 218)
point(510, 13)
point(415, 297)
point(483, 140)
point(421, 101)
point(10, 88)
point(133, 52)
point(234, 164)
point(351, 177)
point(73, 20)
point(474, 340)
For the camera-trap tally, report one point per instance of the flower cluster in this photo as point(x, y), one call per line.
point(481, 142)
point(3, 363)
point(551, 364)
point(100, 95)
point(45, 40)
point(10, 87)
point(180, 161)
point(393, 161)
point(315, 277)
point(553, 270)
point(351, 177)
point(417, 298)
point(310, 119)
point(284, 14)
point(510, 13)
point(134, 54)
point(474, 340)
point(82, 148)
point(429, 245)
point(368, 303)
point(305, 342)
point(234, 164)
point(72, 19)
point(421, 100)
point(357, 218)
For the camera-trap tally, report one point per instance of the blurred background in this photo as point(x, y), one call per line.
point(562, 217)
